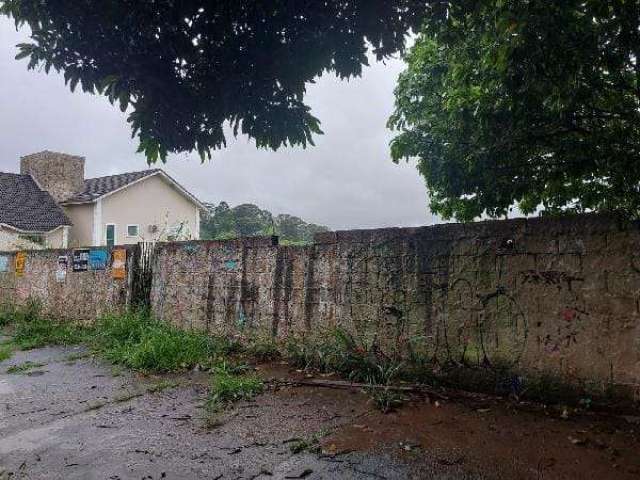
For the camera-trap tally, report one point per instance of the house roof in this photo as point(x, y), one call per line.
point(95, 188)
point(24, 206)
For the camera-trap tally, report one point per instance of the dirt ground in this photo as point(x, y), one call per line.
point(75, 417)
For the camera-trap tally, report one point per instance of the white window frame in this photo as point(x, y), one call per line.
point(137, 235)
point(115, 233)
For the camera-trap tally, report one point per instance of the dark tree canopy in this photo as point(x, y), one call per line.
point(185, 67)
point(532, 103)
point(223, 222)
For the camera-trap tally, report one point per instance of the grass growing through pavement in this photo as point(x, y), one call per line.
point(229, 385)
point(24, 367)
point(138, 341)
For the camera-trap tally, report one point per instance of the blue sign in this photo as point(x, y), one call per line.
point(98, 259)
point(4, 263)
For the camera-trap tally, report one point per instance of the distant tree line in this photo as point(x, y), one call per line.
point(223, 222)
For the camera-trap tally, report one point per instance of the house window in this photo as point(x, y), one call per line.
point(133, 230)
point(111, 235)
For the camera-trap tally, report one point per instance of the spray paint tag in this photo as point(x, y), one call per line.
point(230, 264)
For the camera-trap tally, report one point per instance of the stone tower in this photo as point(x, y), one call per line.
point(59, 174)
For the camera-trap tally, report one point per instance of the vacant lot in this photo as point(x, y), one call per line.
point(65, 414)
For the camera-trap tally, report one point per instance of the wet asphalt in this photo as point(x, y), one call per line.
point(76, 417)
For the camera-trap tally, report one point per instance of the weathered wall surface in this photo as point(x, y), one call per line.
point(59, 174)
point(11, 240)
point(80, 296)
point(558, 296)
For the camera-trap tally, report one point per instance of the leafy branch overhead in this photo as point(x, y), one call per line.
point(185, 69)
point(534, 104)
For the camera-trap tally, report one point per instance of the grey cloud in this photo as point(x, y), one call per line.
point(346, 181)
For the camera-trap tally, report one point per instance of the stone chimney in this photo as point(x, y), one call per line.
point(59, 174)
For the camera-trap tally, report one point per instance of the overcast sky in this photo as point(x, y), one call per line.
point(346, 181)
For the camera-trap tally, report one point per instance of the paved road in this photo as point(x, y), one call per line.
point(79, 418)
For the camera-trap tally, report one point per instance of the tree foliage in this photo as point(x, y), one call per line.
point(224, 222)
point(186, 67)
point(530, 103)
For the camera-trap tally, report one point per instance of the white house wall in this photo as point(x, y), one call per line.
point(152, 204)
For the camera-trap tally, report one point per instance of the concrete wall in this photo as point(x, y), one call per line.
point(150, 202)
point(11, 240)
point(558, 296)
point(80, 296)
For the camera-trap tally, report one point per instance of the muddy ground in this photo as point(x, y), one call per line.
point(75, 417)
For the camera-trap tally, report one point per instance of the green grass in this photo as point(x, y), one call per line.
point(338, 352)
point(141, 343)
point(38, 332)
point(134, 340)
point(5, 352)
point(229, 385)
point(73, 357)
point(263, 349)
point(22, 368)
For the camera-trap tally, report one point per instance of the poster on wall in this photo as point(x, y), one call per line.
point(21, 260)
point(4, 263)
point(61, 270)
point(98, 259)
point(119, 265)
point(80, 260)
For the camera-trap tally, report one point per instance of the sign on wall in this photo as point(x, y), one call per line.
point(21, 260)
point(119, 266)
point(61, 270)
point(80, 260)
point(98, 259)
point(4, 263)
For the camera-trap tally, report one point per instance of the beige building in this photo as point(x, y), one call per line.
point(113, 210)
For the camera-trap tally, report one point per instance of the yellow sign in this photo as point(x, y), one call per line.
point(21, 260)
point(119, 265)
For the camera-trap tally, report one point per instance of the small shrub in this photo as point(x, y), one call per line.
point(339, 352)
point(385, 399)
point(263, 349)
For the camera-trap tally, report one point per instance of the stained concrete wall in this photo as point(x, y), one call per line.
point(80, 296)
point(558, 296)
